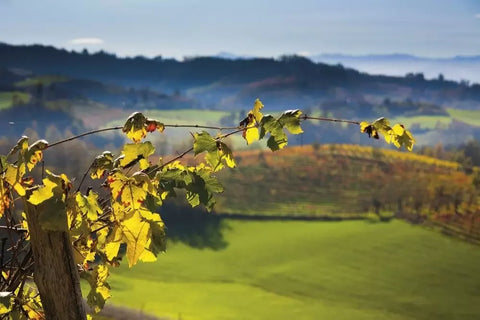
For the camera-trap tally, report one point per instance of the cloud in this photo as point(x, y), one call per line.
point(86, 41)
point(304, 53)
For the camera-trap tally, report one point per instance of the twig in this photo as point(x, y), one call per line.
point(84, 134)
point(305, 117)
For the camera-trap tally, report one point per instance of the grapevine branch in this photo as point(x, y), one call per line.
point(237, 129)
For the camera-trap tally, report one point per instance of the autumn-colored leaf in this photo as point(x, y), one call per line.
point(136, 233)
point(43, 193)
point(101, 164)
point(257, 106)
point(134, 152)
point(89, 205)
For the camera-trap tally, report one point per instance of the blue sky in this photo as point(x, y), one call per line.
point(178, 28)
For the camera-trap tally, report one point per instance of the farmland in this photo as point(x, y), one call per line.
point(310, 270)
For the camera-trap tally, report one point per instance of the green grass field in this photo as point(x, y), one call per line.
point(425, 122)
point(310, 270)
point(7, 98)
point(471, 117)
point(43, 80)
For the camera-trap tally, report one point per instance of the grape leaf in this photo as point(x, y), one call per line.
point(13, 176)
point(257, 106)
point(278, 138)
point(250, 123)
point(202, 188)
point(88, 205)
point(220, 156)
point(43, 193)
point(6, 302)
point(153, 125)
point(5, 200)
point(99, 288)
point(290, 120)
point(101, 164)
point(131, 191)
point(402, 137)
point(137, 126)
point(203, 141)
point(135, 152)
point(22, 144)
point(278, 141)
point(251, 134)
point(136, 233)
point(34, 154)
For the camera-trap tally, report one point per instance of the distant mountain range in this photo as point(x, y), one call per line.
point(458, 68)
point(51, 86)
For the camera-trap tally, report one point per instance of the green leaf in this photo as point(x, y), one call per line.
point(88, 205)
point(220, 156)
point(278, 141)
point(204, 142)
point(290, 120)
point(135, 152)
point(6, 302)
point(202, 188)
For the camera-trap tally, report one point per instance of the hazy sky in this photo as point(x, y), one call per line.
point(435, 28)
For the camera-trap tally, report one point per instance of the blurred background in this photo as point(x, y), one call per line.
point(335, 226)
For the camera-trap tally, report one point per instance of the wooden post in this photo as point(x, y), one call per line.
point(55, 272)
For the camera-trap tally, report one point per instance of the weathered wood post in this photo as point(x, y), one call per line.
point(56, 274)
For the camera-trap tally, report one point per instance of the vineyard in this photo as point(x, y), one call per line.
point(351, 181)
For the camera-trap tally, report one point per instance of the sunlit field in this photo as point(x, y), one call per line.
point(310, 270)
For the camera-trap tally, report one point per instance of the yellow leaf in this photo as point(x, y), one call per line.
point(147, 256)
point(14, 175)
point(43, 193)
point(251, 134)
point(363, 126)
point(88, 205)
point(111, 250)
point(143, 164)
point(136, 233)
point(34, 153)
point(135, 152)
point(257, 106)
point(5, 200)
point(135, 127)
point(6, 302)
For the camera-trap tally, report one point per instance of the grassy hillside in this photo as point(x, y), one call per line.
point(310, 270)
